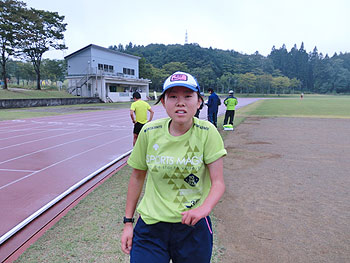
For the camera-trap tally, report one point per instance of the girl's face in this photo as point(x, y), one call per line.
point(181, 104)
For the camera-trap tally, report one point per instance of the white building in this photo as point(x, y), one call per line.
point(95, 71)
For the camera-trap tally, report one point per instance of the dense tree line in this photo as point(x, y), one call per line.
point(22, 73)
point(27, 33)
point(282, 71)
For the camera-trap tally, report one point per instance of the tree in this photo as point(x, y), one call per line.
point(172, 67)
point(43, 31)
point(10, 31)
point(205, 77)
point(157, 76)
point(280, 84)
point(248, 81)
point(295, 84)
point(54, 69)
point(227, 81)
point(263, 83)
point(280, 58)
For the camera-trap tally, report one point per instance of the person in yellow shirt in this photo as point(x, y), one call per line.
point(139, 108)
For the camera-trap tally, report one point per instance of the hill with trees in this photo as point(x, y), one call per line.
point(281, 72)
point(26, 34)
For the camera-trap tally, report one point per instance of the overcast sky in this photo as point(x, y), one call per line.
point(245, 26)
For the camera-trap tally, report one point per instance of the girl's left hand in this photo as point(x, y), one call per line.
point(191, 217)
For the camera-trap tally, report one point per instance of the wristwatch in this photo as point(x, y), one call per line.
point(128, 220)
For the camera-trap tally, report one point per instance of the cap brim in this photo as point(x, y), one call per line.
point(180, 85)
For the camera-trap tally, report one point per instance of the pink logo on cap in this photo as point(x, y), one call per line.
point(178, 77)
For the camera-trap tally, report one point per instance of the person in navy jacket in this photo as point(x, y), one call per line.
point(213, 106)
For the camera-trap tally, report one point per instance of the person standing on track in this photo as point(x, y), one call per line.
point(183, 159)
point(139, 108)
point(213, 107)
point(230, 103)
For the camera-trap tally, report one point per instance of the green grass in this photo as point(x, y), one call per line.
point(33, 94)
point(312, 106)
point(23, 113)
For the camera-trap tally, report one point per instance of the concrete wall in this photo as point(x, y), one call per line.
point(23, 103)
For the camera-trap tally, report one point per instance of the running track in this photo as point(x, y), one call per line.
point(41, 158)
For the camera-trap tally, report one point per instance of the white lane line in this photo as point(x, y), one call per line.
point(87, 117)
point(57, 199)
point(66, 159)
point(121, 127)
point(29, 129)
point(27, 123)
point(52, 147)
point(49, 137)
point(12, 137)
point(14, 170)
point(37, 140)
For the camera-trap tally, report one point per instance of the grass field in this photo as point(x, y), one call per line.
point(91, 231)
point(23, 113)
point(16, 93)
point(313, 106)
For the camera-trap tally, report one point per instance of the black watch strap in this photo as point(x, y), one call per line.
point(128, 220)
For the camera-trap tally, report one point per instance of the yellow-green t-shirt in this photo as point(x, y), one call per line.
point(140, 108)
point(178, 178)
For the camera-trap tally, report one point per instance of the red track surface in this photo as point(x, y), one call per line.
point(41, 158)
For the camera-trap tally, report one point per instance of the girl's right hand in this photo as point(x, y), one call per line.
point(127, 238)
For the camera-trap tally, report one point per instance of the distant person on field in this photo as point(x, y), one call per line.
point(301, 95)
point(139, 108)
point(213, 107)
point(230, 103)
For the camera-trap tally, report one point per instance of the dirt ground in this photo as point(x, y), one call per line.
point(288, 199)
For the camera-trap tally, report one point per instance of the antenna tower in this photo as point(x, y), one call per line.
point(186, 38)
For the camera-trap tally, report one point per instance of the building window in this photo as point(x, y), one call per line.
point(112, 88)
point(128, 71)
point(106, 68)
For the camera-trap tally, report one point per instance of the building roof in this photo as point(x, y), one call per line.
point(102, 48)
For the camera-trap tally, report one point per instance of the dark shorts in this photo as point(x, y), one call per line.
point(137, 127)
point(162, 241)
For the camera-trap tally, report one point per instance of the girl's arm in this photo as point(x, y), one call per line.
point(191, 217)
point(134, 191)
